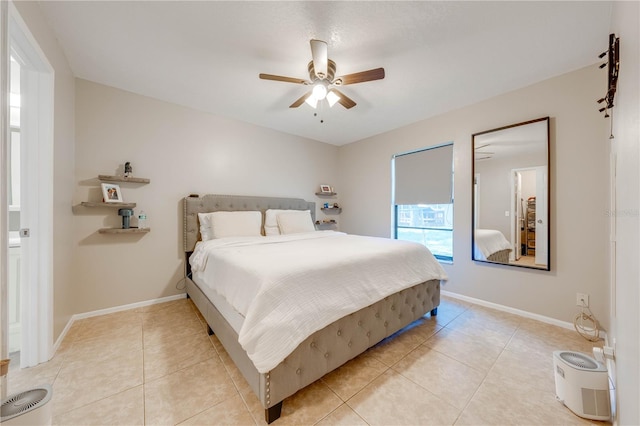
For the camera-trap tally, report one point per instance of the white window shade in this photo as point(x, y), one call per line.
point(424, 177)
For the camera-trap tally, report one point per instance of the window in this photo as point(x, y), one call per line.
point(423, 199)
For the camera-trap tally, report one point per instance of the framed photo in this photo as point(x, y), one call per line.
point(325, 188)
point(111, 193)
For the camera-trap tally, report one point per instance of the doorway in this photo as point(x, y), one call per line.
point(28, 322)
point(529, 212)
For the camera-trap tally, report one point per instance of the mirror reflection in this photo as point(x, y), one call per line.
point(511, 195)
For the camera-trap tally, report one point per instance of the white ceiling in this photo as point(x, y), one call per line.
point(438, 56)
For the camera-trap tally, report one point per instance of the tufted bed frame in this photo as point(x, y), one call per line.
point(501, 256)
point(326, 349)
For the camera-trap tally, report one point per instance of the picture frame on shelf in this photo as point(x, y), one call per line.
point(325, 189)
point(111, 193)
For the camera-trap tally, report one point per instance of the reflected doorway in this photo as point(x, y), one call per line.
point(529, 213)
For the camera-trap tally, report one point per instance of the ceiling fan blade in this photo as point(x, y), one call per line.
point(344, 100)
point(300, 101)
point(360, 77)
point(482, 146)
point(282, 78)
point(320, 55)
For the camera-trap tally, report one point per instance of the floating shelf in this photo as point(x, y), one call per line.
point(103, 204)
point(123, 231)
point(326, 225)
point(108, 178)
point(326, 194)
point(331, 209)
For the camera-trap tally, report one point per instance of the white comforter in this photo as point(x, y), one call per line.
point(289, 286)
point(489, 241)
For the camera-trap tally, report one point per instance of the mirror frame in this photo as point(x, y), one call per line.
point(548, 195)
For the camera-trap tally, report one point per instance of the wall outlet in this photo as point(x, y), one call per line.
point(582, 299)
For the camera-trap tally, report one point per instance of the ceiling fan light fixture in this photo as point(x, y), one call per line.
point(312, 101)
point(319, 91)
point(332, 98)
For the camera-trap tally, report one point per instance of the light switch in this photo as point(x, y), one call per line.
point(506, 213)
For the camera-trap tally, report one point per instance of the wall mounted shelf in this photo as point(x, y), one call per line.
point(109, 178)
point(326, 226)
point(123, 231)
point(103, 204)
point(326, 194)
point(336, 210)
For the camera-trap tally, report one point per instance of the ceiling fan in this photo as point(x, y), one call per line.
point(322, 72)
point(483, 155)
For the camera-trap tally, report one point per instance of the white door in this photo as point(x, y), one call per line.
point(542, 221)
point(4, 201)
point(36, 194)
point(517, 216)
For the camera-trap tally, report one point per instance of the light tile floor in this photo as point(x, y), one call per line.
point(157, 366)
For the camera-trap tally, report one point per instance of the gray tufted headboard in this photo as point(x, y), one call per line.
point(213, 202)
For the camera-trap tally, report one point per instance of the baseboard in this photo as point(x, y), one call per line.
point(111, 311)
point(503, 308)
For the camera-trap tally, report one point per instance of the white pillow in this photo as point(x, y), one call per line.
point(271, 221)
point(230, 224)
point(295, 222)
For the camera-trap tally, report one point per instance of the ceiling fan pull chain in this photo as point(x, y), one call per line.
point(319, 112)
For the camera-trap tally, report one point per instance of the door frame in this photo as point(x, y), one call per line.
point(4, 190)
point(37, 205)
point(542, 176)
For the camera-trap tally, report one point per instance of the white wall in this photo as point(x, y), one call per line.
point(579, 193)
point(63, 163)
point(182, 151)
point(626, 123)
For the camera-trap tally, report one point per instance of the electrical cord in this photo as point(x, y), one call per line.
point(182, 284)
point(590, 332)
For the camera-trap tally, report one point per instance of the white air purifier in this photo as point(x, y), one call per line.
point(30, 407)
point(582, 385)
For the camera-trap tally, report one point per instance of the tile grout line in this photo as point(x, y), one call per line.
point(484, 379)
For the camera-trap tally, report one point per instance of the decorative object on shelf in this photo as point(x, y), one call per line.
point(142, 220)
point(111, 193)
point(613, 66)
point(126, 215)
point(128, 170)
point(325, 189)
point(336, 206)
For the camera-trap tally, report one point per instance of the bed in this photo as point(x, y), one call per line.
point(491, 245)
point(273, 370)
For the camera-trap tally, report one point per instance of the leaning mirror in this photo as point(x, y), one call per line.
point(510, 198)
